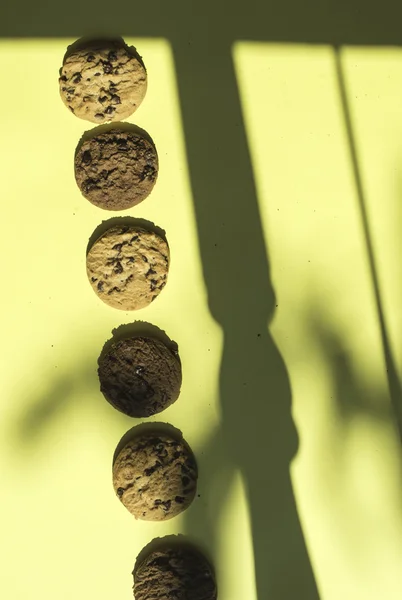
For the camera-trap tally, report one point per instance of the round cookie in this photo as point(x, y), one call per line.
point(102, 81)
point(116, 169)
point(140, 376)
point(128, 267)
point(155, 476)
point(177, 573)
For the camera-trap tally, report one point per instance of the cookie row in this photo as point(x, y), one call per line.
point(116, 166)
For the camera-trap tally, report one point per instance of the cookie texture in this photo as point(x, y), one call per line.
point(116, 169)
point(176, 574)
point(104, 81)
point(140, 376)
point(155, 477)
point(128, 267)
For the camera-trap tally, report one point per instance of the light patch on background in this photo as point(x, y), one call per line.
point(347, 473)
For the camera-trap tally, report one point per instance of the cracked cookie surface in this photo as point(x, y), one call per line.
point(117, 169)
point(128, 266)
point(140, 376)
point(155, 477)
point(103, 82)
point(177, 573)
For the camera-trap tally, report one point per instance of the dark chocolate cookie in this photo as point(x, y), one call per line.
point(102, 81)
point(116, 169)
point(140, 376)
point(155, 476)
point(177, 573)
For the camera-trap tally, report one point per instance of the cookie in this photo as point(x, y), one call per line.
point(155, 476)
point(102, 81)
point(128, 267)
point(177, 573)
point(140, 376)
point(116, 169)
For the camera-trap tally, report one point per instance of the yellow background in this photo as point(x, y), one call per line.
point(63, 532)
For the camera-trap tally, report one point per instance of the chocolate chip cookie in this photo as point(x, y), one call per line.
point(140, 376)
point(155, 476)
point(177, 573)
point(128, 266)
point(116, 169)
point(102, 80)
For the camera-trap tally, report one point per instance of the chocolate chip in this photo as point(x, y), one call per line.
point(166, 505)
point(99, 116)
point(86, 157)
point(107, 68)
point(120, 492)
point(97, 74)
point(144, 258)
point(114, 289)
point(110, 110)
point(77, 77)
point(148, 472)
point(148, 173)
point(102, 99)
point(115, 99)
point(112, 56)
point(150, 272)
point(88, 185)
point(63, 78)
point(117, 247)
point(71, 108)
point(118, 268)
point(100, 286)
point(179, 499)
point(90, 58)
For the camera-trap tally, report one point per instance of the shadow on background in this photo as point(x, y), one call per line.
point(394, 384)
point(257, 435)
point(353, 396)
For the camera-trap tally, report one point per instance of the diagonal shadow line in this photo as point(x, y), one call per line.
point(394, 385)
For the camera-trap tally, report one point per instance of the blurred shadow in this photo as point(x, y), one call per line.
point(45, 409)
point(394, 384)
point(353, 396)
